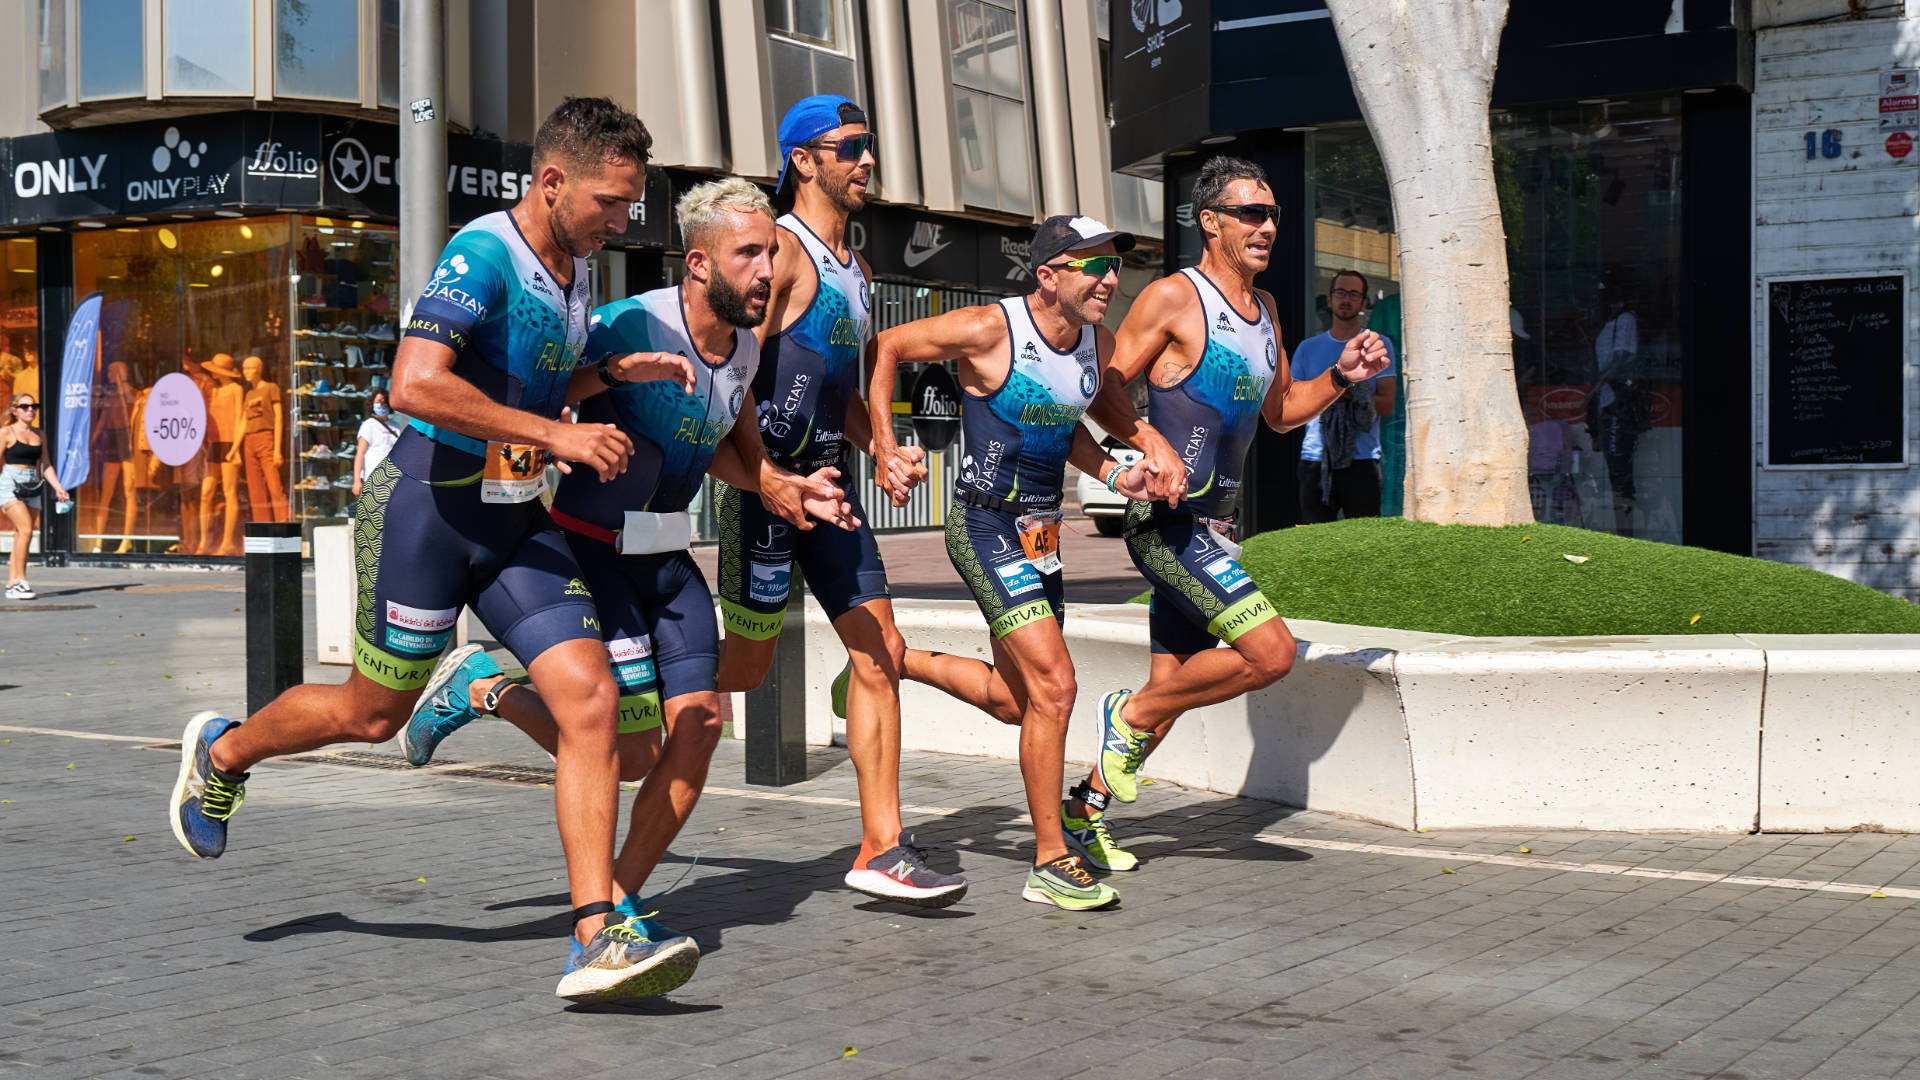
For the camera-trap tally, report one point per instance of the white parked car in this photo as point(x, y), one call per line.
point(1108, 511)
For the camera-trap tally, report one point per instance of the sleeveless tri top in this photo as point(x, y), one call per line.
point(1018, 437)
point(674, 433)
point(810, 372)
point(1210, 416)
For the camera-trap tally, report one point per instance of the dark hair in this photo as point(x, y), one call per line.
point(1338, 274)
point(589, 132)
point(1217, 173)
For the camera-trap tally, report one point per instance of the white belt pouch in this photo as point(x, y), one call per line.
point(647, 533)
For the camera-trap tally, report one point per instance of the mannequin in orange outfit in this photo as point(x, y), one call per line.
point(226, 421)
point(262, 446)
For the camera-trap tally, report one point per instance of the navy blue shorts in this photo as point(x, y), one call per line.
point(1200, 593)
point(656, 616)
point(425, 546)
point(984, 545)
point(757, 553)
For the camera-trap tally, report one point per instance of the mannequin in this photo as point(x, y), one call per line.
point(263, 446)
point(112, 451)
point(188, 477)
point(225, 422)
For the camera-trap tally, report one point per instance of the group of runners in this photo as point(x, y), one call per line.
point(505, 368)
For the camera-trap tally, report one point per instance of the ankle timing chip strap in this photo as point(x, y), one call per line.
point(588, 911)
point(1086, 794)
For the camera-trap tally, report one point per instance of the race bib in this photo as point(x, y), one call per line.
point(1222, 531)
point(514, 473)
point(1040, 539)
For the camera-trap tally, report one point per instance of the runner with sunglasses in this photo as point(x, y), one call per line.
point(808, 390)
point(1029, 367)
point(1208, 343)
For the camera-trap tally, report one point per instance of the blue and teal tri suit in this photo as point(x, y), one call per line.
point(809, 377)
point(1016, 441)
point(656, 613)
point(1190, 553)
point(426, 542)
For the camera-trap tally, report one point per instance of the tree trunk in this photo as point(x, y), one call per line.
point(1423, 71)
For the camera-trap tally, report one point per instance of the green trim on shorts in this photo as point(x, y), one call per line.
point(464, 481)
point(640, 712)
point(390, 671)
point(1025, 615)
point(741, 620)
point(1245, 614)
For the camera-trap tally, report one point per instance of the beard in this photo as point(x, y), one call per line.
point(568, 234)
point(840, 192)
point(1083, 311)
point(731, 302)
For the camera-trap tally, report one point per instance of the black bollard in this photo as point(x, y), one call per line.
point(777, 708)
point(275, 619)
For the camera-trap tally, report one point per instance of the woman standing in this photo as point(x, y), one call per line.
point(25, 453)
point(377, 436)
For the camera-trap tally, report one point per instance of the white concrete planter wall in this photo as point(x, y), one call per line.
point(1429, 731)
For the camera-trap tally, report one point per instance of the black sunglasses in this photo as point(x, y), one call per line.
point(28, 405)
point(1251, 213)
point(851, 147)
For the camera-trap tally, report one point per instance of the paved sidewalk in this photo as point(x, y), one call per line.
point(1256, 941)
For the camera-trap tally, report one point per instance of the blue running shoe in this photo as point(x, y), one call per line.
point(623, 961)
point(443, 707)
point(204, 798)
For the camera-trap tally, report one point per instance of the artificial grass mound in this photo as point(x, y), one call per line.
point(1516, 581)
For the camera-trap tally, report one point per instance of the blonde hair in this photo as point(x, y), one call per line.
point(704, 208)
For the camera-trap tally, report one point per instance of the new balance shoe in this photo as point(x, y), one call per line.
point(1122, 749)
point(901, 874)
point(443, 707)
point(1093, 840)
point(839, 690)
point(622, 961)
point(20, 590)
point(1065, 883)
point(204, 798)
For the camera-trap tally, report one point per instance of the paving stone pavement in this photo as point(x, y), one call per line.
point(1256, 940)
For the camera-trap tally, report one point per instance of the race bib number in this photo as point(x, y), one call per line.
point(1222, 531)
point(514, 473)
point(1040, 539)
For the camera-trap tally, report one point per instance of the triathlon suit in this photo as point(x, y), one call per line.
point(1190, 553)
point(656, 613)
point(809, 377)
point(1003, 529)
point(448, 520)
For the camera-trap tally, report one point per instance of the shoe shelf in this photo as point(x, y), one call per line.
point(345, 330)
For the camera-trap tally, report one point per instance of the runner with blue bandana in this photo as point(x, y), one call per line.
point(1029, 367)
point(1208, 343)
point(452, 518)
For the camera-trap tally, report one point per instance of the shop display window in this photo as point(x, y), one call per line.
point(19, 318)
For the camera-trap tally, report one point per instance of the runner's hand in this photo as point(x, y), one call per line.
point(1364, 356)
point(823, 499)
point(602, 446)
point(904, 472)
point(786, 493)
point(649, 366)
point(1136, 483)
point(1168, 473)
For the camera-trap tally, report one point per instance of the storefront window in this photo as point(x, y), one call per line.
point(209, 47)
point(1590, 198)
point(810, 50)
point(51, 27)
point(317, 49)
point(19, 319)
point(206, 300)
point(113, 54)
point(989, 105)
point(389, 53)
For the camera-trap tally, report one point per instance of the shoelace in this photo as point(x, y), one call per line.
point(447, 715)
point(1137, 752)
point(1071, 869)
point(1099, 826)
point(917, 851)
point(219, 798)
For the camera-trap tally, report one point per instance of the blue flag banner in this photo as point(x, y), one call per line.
point(76, 393)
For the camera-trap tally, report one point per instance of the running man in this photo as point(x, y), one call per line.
point(452, 518)
point(808, 390)
point(1209, 345)
point(630, 536)
point(1029, 367)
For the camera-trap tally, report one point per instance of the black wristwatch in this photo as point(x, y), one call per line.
point(1339, 378)
point(606, 375)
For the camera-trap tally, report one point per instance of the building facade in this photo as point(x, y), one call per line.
point(222, 173)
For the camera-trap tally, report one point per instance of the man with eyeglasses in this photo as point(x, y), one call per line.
point(808, 390)
point(1340, 455)
point(1208, 343)
point(1029, 367)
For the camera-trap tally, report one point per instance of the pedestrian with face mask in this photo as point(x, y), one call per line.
point(377, 436)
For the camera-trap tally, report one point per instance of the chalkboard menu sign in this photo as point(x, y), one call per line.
point(1836, 371)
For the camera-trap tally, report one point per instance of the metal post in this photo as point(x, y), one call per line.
point(777, 708)
point(423, 144)
point(275, 619)
point(55, 266)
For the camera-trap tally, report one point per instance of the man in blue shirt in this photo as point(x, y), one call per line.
point(1340, 457)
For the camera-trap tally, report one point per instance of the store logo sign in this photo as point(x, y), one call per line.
point(1019, 259)
point(924, 244)
point(276, 160)
point(32, 179)
point(352, 167)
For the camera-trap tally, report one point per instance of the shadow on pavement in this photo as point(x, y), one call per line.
point(334, 922)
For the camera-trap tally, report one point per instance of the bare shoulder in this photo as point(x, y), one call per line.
point(866, 271)
point(1273, 308)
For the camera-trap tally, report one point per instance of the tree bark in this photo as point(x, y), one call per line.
point(1423, 71)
